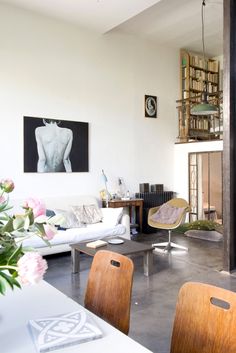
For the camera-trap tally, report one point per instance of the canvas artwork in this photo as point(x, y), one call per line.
point(150, 103)
point(55, 146)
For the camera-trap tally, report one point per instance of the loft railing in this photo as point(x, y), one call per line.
point(200, 128)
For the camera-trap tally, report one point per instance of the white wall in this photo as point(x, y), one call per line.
point(181, 162)
point(52, 69)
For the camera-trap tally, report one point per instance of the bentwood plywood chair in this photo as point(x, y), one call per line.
point(205, 320)
point(168, 216)
point(109, 288)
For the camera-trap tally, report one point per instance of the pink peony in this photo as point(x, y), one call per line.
point(2, 199)
point(50, 231)
point(37, 206)
point(7, 185)
point(31, 267)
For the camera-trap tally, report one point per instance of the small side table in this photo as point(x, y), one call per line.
point(137, 203)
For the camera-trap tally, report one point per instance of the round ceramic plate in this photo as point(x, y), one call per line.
point(115, 241)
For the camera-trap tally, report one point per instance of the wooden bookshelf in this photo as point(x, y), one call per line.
point(196, 76)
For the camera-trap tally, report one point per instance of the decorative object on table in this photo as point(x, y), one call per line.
point(104, 177)
point(122, 188)
point(204, 107)
point(127, 197)
point(65, 330)
point(150, 103)
point(41, 139)
point(116, 241)
point(16, 261)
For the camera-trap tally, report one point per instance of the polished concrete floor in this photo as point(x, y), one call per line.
point(154, 297)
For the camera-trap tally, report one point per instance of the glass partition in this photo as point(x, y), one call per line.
point(205, 186)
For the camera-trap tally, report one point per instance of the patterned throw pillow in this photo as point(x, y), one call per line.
point(93, 213)
point(70, 220)
point(88, 214)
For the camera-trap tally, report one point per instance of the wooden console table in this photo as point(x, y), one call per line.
point(137, 203)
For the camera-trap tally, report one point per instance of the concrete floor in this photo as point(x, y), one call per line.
point(154, 297)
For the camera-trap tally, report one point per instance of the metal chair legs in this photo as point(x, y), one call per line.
point(169, 245)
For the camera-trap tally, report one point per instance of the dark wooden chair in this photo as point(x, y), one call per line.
point(109, 287)
point(205, 320)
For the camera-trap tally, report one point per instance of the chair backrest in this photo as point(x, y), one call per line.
point(109, 288)
point(176, 202)
point(205, 320)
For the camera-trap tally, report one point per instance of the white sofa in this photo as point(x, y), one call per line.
point(60, 242)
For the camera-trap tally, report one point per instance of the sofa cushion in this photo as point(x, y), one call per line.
point(111, 216)
point(167, 214)
point(88, 214)
point(70, 220)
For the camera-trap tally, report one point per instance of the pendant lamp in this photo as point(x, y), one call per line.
point(204, 108)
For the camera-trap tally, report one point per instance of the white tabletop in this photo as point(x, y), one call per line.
point(32, 302)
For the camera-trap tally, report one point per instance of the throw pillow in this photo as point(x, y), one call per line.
point(112, 216)
point(167, 214)
point(93, 213)
point(50, 213)
point(78, 212)
point(88, 214)
point(70, 220)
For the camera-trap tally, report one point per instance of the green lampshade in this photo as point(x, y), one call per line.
point(204, 109)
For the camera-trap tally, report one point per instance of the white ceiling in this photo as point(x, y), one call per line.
point(176, 23)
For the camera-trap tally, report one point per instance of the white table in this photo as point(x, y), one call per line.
point(32, 302)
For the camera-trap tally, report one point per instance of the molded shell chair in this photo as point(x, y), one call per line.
point(177, 203)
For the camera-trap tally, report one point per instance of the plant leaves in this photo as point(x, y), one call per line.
point(26, 223)
point(7, 279)
point(2, 285)
point(16, 254)
point(8, 227)
point(18, 222)
point(40, 228)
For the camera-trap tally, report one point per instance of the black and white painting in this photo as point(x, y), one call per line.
point(150, 103)
point(55, 145)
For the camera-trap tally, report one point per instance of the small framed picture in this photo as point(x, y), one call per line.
point(150, 103)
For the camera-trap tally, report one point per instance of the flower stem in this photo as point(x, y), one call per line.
point(8, 267)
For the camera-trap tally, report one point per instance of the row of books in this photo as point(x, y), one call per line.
point(199, 85)
point(211, 65)
point(200, 74)
point(201, 124)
